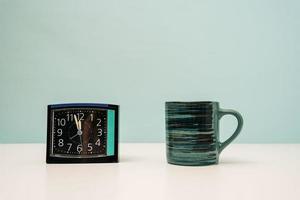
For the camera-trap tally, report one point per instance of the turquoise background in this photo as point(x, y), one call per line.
point(140, 54)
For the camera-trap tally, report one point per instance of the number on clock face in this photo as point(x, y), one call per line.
point(79, 132)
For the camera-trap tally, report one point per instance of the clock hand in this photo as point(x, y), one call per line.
point(79, 124)
point(76, 121)
point(81, 140)
point(80, 132)
point(73, 136)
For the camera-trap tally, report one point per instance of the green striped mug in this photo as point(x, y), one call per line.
point(192, 132)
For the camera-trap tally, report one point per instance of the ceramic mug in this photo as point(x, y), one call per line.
point(192, 132)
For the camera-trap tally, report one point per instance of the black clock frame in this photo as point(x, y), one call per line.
point(107, 159)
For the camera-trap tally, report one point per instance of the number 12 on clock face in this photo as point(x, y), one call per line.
point(79, 133)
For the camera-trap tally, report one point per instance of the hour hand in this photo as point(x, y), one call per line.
point(76, 121)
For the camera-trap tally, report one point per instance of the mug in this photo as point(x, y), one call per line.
point(192, 132)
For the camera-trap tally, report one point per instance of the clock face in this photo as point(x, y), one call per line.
point(79, 132)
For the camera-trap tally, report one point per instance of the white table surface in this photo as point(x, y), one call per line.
point(245, 172)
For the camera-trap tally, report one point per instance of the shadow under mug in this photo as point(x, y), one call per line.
point(192, 132)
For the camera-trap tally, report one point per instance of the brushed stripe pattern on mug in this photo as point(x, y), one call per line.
point(190, 129)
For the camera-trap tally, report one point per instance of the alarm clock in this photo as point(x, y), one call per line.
point(82, 133)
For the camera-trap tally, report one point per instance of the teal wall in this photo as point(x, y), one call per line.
point(139, 54)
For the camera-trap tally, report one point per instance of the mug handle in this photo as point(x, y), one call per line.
point(238, 129)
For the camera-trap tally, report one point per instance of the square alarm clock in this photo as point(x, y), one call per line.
point(82, 133)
